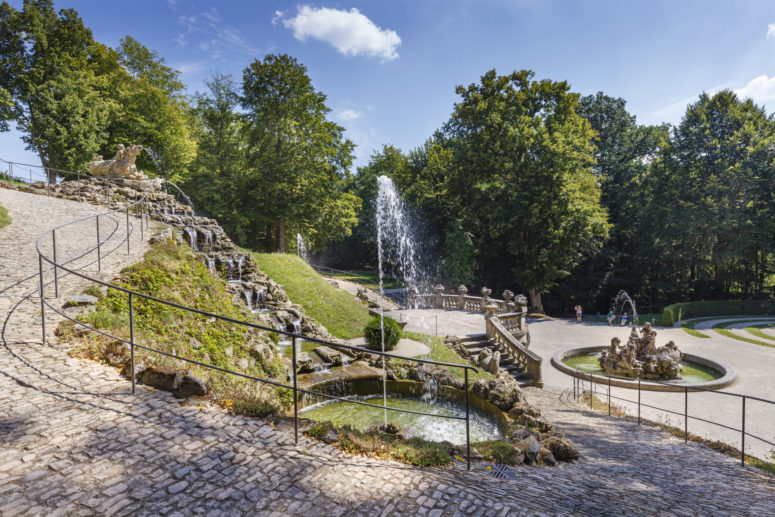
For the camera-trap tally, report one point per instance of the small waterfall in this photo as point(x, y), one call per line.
point(230, 272)
point(295, 326)
point(192, 237)
point(248, 293)
point(239, 266)
point(430, 386)
point(173, 209)
point(211, 264)
point(209, 238)
point(301, 248)
point(260, 297)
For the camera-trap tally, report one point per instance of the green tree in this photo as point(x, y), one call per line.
point(47, 69)
point(522, 175)
point(154, 112)
point(298, 159)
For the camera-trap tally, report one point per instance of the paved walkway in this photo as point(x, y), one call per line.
point(74, 441)
point(754, 365)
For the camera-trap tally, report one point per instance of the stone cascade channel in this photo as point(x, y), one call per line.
point(246, 283)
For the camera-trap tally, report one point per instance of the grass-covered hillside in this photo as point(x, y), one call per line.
point(340, 312)
point(175, 274)
point(5, 219)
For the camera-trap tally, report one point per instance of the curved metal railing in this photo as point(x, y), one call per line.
point(139, 207)
point(580, 377)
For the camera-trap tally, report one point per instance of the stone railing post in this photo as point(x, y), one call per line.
point(509, 305)
point(485, 298)
point(439, 299)
point(521, 307)
point(461, 297)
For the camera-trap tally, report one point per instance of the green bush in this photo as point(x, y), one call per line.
point(689, 310)
point(667, 318)
point(373, 334)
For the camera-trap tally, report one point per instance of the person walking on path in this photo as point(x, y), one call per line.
point(578, 313)
point(624, 320)
point(611, 317)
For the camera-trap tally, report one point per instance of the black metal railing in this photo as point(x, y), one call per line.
point(580, 378)
point(139, 207)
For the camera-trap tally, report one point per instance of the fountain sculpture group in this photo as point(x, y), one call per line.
point(640, 357)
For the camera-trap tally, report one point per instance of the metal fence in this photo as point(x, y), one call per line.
point(595, 388)
point(139, 208)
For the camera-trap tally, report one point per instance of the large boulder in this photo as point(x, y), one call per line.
point(304, 363)
point(562, 449)
point(79, 300)
point(163, 378)
point(530, 447)
point(192, 386)
point(545, 457)
point(116, 353)
point(502, 392)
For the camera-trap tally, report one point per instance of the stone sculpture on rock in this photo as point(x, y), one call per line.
point(640, 357)
point(122, 165)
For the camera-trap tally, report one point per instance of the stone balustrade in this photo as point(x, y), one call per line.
point(510, 346)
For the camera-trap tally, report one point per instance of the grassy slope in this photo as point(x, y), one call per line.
point(340, 312)
point(364, 277)
point(721, 328)
point(5, 219)
point(173, 273)
point(755, 330)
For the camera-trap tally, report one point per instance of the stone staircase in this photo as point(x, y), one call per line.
point(478, 342)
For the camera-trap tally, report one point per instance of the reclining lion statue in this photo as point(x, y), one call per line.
point(122, 165)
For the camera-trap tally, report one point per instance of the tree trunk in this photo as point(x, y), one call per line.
point(281, 235)
point(535, 301)
point(51, 176)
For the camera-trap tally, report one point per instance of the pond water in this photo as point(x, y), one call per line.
point(692, 373)
point(483, 426)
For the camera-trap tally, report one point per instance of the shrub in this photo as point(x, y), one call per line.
point(689, 310)
point(373, 334)
point(667, 318)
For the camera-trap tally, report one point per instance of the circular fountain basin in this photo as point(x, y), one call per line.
point(487, 422)
point(698, 372)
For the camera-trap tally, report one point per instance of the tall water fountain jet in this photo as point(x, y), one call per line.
point(301, 249)
point(396, 243)
point(620, 303)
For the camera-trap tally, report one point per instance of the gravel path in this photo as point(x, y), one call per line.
point(75, 441)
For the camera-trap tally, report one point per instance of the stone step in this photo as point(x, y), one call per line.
point(476, 344)
point(475, 337)
point(474, 351)
point(511, 369)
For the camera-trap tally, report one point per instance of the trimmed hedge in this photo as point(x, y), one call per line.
point(373, 334)
point(688, 310)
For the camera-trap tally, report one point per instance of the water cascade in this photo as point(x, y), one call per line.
point(396, 244)
point(301, 248)
point(620, 303)
point(192, 237)
point(248, 298)
point(230, 274)
point(209, 238)
point(211, 264)
point(239, 267)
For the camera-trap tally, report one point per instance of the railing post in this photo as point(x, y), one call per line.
point(742, 443)
point(142, 217)
point(638, 400)
point(132, 338)
point(56, 274)
point(609, 395)
point(686, 414)
point(468, 436)
point(99, 258)
point(10, 170)
point(42, 300)
point(295, 397)
point(590, 391)
point(127, 230)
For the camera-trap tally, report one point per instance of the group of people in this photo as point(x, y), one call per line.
point(611, 316)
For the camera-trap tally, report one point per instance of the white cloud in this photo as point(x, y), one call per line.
point(761, 89)
point(771, 30)
point(347, 115)
point(350, 32)
point(277, 17)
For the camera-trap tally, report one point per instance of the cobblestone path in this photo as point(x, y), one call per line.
point(74, 441)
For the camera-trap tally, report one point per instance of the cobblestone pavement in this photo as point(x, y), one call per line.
point(75, 441)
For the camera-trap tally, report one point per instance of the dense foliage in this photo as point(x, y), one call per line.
point(373, 333)
point(528, 186)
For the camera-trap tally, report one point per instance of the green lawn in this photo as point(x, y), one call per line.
point(721, 328)
point(340, 312)
point(689, 326)
point(364, 277)
point(442, 353)
point(5, 219)
point(755, 330)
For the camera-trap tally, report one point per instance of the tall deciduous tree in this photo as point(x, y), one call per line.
point(522, 175)
point(47, 68)
point(297, 156)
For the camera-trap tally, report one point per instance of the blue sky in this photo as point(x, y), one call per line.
point(389, 68)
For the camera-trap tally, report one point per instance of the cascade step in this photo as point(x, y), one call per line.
point(476, 344)
point(474, 351)
point(475, 337)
